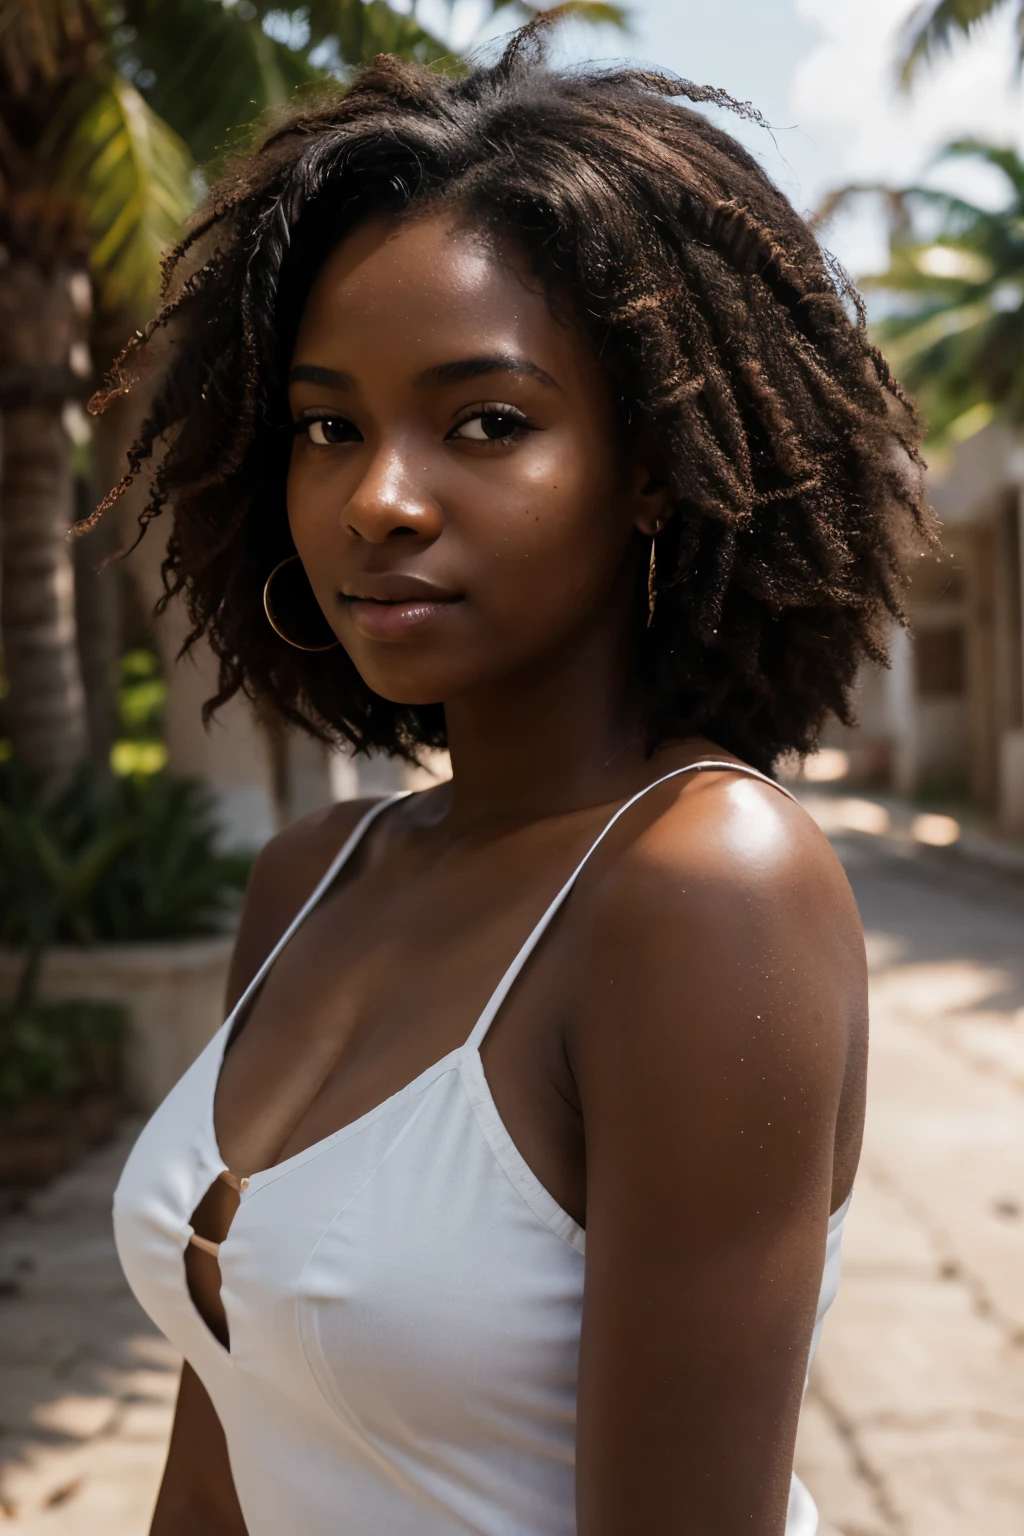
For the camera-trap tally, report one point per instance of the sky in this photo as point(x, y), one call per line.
point(821, 72)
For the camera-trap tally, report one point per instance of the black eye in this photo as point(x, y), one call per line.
point(325, 430)
point(490, 427)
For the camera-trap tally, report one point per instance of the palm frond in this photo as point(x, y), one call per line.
point(1003, 159)
point(209, 69)
point(894, 200)
point(594, 13)
point(954, 290)
point(133, 177)
point(933, 25)
point(360, 29)
point(910, 338)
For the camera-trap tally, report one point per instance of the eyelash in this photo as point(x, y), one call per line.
point(301, 427)
point(477, 413)
point(493, 408)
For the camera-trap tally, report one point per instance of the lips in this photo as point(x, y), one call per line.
point(396, 587)
point(392, 606)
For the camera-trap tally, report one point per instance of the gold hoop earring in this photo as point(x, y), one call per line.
point(295, 644)
point(652, 594)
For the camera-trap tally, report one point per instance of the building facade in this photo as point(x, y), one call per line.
point(946, 722)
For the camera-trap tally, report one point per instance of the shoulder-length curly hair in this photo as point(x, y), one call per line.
point(731, 342)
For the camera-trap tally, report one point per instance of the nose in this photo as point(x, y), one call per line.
point(392, 500)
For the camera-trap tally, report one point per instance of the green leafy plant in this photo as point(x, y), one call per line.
point(127, 860)
point(141, 698)
point(59, 1049)
point(103, 860)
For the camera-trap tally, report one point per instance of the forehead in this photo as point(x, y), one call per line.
point(412, 286)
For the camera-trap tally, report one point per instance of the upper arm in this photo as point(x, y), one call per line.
point(723, 981)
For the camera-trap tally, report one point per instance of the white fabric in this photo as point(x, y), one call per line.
point(403, 1299)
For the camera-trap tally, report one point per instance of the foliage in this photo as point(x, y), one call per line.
point(111, 861)
point(592, 12)
point(116, 106)
point(141, 697)
point(132, 174)
point(933, 24)
point(59, 1048)
point(208, 68)
point(955, 289)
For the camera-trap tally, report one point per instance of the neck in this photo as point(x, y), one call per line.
point(560, 735)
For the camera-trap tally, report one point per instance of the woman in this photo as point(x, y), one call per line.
point(518, 413)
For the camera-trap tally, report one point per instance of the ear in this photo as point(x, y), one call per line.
point(652, 498)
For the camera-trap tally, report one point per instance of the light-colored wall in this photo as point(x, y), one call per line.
point(969, 741)
point(1011, 809)
point(233, 755)
point(941, 747)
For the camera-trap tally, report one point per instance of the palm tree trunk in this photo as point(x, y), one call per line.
point(45, 707)
point(45, 704)
point(98, 623)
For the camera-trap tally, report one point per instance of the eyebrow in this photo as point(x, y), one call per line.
point(310, 373)
point(476, 367)
point(442, 373)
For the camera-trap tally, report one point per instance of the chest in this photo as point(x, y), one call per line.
point(388, 975)
point(409, 1260)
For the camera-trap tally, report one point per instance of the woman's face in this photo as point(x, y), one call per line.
point(456, 490)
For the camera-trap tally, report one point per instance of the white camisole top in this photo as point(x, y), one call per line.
point(403, 1299)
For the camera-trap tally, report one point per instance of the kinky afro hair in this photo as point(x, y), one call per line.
point(731, 343)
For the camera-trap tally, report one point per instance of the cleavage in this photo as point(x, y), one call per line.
point(367, 996)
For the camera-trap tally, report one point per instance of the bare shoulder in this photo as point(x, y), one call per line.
point(721, 854)
point(720, 976)
point(284, 873)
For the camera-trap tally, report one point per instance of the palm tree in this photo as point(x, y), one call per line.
point(92, 185)
point(44, 298)
point(933, 24)
point(954, 292)
point(111, 111)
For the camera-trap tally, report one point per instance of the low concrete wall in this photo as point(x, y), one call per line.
point(174, 993)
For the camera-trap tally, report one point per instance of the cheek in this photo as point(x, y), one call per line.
point(557, 525)
point(312, 490)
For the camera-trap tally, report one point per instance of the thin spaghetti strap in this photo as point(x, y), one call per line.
point(510, 977)
point(340, 859)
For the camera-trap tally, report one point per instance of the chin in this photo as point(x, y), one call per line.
point(425, 674)
point(411, 685)
point(410, 695)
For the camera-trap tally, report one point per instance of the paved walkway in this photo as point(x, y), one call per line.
point(86, 1386)
point(914, 1424)
point(915, 1420)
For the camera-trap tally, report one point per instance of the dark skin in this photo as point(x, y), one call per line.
point(682, 1063)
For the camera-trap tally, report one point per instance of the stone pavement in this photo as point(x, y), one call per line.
point(86, 1386)
point(914, 1422)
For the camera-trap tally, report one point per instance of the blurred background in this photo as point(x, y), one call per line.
point(126, 829)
